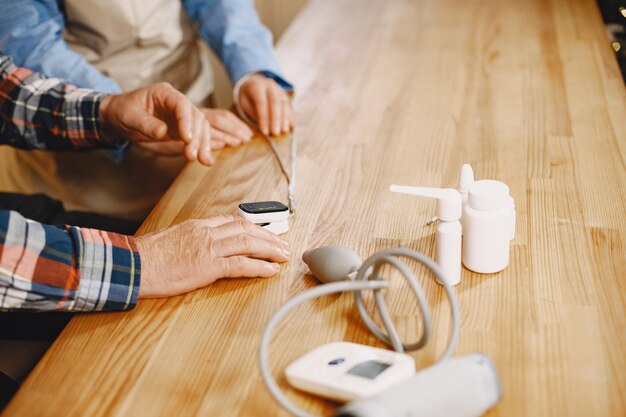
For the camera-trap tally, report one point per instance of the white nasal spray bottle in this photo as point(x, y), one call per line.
point(448, 237)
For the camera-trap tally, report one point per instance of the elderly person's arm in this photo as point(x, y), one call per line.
point(45, 113)
point(45, 267)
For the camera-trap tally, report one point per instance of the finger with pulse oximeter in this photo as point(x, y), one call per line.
point(270, 215)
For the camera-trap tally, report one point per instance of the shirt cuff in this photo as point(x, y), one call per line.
point(109, 269)
point(284, 84)
point(82, 120)
point(118, 147)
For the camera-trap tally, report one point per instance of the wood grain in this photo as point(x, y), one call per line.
point(399, 91)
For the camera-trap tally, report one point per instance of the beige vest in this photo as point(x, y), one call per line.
point(137, 43)
point(140, 42)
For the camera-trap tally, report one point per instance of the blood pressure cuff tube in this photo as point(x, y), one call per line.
point(461, 387)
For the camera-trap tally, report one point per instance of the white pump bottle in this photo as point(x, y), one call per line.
point(488, 226)
point(448, 237)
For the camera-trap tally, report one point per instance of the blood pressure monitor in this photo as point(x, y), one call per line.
point(347, 371)
point(271, 215)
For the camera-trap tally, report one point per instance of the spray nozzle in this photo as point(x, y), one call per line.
point(449, 202)
point(466, 178)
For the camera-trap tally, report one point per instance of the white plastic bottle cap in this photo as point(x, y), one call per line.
point(488, 195)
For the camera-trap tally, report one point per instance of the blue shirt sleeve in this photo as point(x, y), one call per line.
point(233, 30)
point(31, 33)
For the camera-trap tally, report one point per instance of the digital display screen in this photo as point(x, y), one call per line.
point(263, 207)
point(370, 369)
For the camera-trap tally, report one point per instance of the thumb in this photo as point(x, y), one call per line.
point(148, 126)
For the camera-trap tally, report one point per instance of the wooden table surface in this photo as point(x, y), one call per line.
point(399, 91)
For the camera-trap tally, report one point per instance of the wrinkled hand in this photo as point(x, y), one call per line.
point(196, 253)
point(158, 113)
point(226, 128)
point(267, 104)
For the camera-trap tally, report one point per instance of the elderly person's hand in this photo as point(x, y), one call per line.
point(267, 104)
point(196, 253)
point(226, 128)
point(162, 118)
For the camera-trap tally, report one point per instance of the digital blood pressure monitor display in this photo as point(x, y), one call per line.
point(369, 369)
point(346, 371)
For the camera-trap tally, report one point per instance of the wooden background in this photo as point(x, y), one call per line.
point(399, 91)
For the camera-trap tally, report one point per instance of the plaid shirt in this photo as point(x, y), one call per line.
point(46, 267)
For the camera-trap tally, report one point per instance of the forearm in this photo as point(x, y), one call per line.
point(46, 268)
point(44, 113)
point(32, 36)
point(233, 30)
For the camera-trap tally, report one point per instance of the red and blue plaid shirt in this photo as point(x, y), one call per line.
point(45, 267)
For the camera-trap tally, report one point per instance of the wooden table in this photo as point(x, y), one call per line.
point(399, 91)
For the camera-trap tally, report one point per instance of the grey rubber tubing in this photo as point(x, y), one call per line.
point(362, 282)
